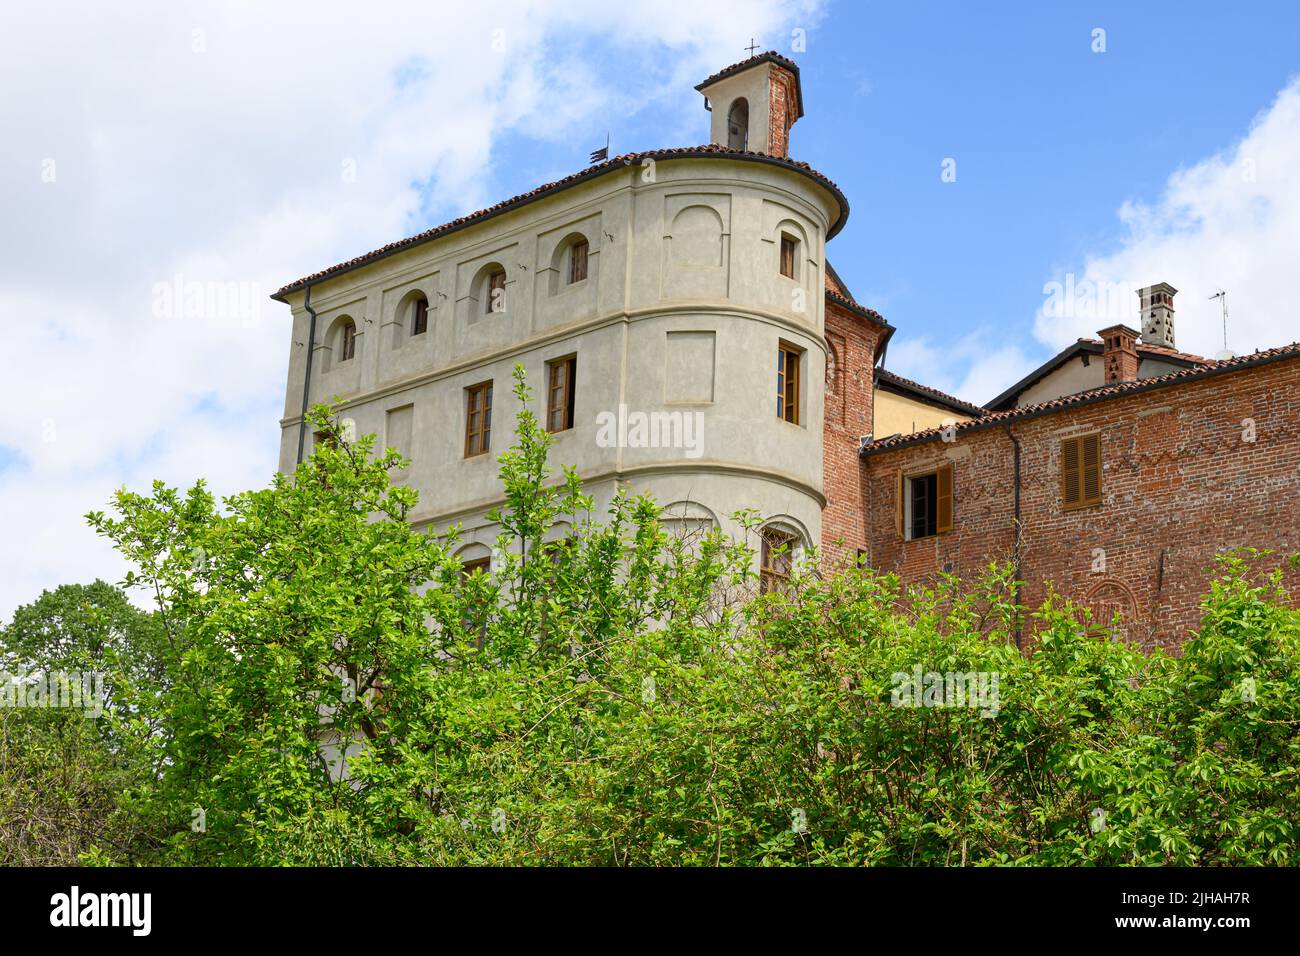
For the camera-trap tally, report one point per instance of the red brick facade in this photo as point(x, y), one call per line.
point(783, 110)
point(850, 357)
point(1189, 469)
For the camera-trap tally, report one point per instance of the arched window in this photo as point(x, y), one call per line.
point(780, 544)
point(570, 262)
point(738, 125)
point(420, 315)
point(342, 341)
point(687, 521)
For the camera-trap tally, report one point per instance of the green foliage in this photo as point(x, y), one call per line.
point(68, 780)
point(333, 690)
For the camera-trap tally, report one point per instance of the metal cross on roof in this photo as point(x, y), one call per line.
point(752, 46)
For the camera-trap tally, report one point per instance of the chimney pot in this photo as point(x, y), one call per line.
point(1119, 354)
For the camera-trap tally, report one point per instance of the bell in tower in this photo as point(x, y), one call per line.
point(754, 104)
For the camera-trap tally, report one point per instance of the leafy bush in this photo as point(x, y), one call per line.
point(343, 694)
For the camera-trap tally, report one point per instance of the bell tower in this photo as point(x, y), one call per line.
point(754, 103)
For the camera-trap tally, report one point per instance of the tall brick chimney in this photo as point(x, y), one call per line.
point(1156, 306)
point(1119, 355)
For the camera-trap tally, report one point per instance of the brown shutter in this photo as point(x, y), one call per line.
point(578, 262)
point(1070, 473)
point(1090, 480)
point(943, 502)
point(898, 504)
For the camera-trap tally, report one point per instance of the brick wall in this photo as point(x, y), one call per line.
point(851, 341)
point(782, 109)
point(1180, 483)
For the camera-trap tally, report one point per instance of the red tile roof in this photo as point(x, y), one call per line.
point(925, 392)
point(855, 307)
point(771, 56)
point(1088, 346)
point(628, 159)
point(1117, 390)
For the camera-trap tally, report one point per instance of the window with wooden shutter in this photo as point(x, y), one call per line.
point(1081, 472)
point(787, 382)
point(925, 503)
point(496, 291)
point(578, 261)
point(478, 419)
point(789, 246)
point(559, 393)
point(943, 500)
point(899, 494)
point(349, 341)
point(420, 319)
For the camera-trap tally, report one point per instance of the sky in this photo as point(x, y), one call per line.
point(992, 158)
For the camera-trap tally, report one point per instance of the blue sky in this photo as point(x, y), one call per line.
point(1049, 138)
point(223, 144)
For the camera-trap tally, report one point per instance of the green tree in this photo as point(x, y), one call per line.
point(68, 777)
point(334, 689)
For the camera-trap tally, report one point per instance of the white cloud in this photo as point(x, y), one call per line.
point(1231, 221)
point(209, 141)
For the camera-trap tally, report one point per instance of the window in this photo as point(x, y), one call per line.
point(776, 559)
point(738, 125)
point(578, 261)
point(1081, 472)
point(420, 316)
point(496, 291)
point(560, 394)
point(476, 566)
point(347, 340)
point(478, 419)
point(787, 382)
point(475, 621)
point(925, 504)
point(789, 249)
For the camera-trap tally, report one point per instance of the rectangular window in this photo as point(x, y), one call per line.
point(787, 382)
point(1081, 472)
point(420, 324)
point(925, 504)
point(496, 292)
point(788, 246)
point(560, 394)
point(578, 261)
point(776, 560)
point(349, 342)
point(478, 419)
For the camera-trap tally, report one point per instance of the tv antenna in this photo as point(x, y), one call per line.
point(1222, 296)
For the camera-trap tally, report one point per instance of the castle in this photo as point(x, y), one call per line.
point(676, 314)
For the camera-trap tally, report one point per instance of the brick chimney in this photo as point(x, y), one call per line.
point(1120, 356)
point(1156, 306)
